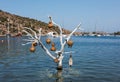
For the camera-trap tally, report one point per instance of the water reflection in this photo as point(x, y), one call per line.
point(64, 75)
point(59, 76)
point(8, 42)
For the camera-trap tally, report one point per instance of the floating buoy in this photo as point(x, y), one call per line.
point(70, 43)
point(32, 49)
point(48, 41)
point(56, 60)
point(50, 24)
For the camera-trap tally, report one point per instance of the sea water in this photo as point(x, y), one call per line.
point(95, 59)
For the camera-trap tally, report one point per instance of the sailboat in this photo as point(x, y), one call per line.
point(96, 34)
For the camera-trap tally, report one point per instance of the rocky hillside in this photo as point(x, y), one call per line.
point(16, 22)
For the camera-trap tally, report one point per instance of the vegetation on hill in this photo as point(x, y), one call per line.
point(16, 21)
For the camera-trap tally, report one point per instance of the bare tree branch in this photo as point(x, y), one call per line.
point(78, 27)
point(35, 35)
point(28, 34)
point(46, 50)
point(69, 36)
point(61, 38)
point(37, 39)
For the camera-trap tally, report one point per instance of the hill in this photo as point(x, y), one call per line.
point(16, 21)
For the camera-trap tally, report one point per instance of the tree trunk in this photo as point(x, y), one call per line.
point(59, 67)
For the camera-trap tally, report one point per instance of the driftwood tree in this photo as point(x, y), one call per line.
point(36, 39)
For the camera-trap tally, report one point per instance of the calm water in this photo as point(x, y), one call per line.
point(96, 59)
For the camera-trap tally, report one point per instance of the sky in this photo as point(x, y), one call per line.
point(94, 15)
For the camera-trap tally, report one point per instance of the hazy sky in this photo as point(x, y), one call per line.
point(104, 14)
